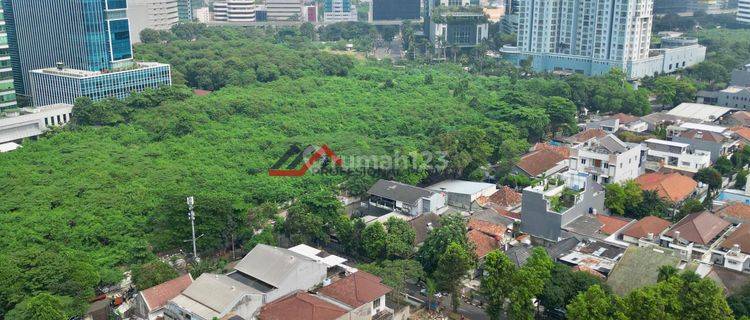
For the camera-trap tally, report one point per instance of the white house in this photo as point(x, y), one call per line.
point(607, 159)
point(676, 155)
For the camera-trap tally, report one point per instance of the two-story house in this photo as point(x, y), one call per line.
point(608, 159)
point(734, 252)
point(718, 144)
point(675, 155)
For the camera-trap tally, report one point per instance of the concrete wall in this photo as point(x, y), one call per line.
point(34, 124)
point(308, 275)
point(536, 220)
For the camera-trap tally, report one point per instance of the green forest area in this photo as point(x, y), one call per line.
point(85, 203)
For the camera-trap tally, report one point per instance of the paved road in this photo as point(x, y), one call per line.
point(392, 50)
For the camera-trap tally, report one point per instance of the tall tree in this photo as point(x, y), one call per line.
point(454, 265)
point(496, 286)
point(452, 230)
point(595, 303)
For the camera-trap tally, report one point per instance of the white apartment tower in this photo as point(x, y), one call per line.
point(610, 30)
point(284, 10)
point(234, 10)
point(151, 14)
point(743, 11)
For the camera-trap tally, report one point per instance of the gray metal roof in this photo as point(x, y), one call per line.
point(492, 216)
point(215, 291)
point(271, 264)
point(613, 144)
point(399, 191)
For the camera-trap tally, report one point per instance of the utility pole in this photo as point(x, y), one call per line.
point(191, 216)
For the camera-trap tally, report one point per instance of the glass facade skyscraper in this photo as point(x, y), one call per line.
point(7, 92)
point(88, 35)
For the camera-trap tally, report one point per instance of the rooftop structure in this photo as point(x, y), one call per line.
point(302, 306)
point(596, 255)
point(543, 162)
point(463, 194)
point(32, 122)
point(150, 302)
point(408, 199)
point(735, 212)
point(699, 112)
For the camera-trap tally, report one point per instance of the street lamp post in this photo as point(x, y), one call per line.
point(191, 216)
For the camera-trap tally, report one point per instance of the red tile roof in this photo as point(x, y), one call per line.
point(703, 135)
point(611, 224)
point(587, 135)
point(483, 243)
point(506, 197)
point(737, 210)
point(647, 225)
point(494, 230)
point(674, 186)
point(743, 132)
point(740, 237)
point(538, 162)
point(699, 227)
point(157, 296)
point(301, 306)
point(582, 268)
point(563, 151)
point(356, 289)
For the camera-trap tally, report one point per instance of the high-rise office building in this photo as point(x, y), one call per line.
point(82, 35)
point(339, 10)
point(234, 10)
point(743, 11)
point(283, 10)
point(151, 14)
point(7, 92)
point(594, 36)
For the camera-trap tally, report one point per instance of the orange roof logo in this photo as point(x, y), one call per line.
point(324, 153)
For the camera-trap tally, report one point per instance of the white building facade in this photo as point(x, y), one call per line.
point(676, 155)
point(592, 37)
point(608, 159)
point(234, 10)
point(743, 11)
point(284, 10)
point(151, 14)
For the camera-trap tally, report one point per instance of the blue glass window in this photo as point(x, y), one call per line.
point(119, 35)
point(116, 4)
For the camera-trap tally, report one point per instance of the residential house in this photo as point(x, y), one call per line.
point(741, 76)
point(265, 274)
point(423, 225)
point(673, 187)
point(608, 159)
point(620, 121)
point(647, 229)
point(519, 253)
point(301, 305)
point(630, 123)
point(463, 194)
point(505, 198)
point(659, 120)
point(362, 293)
point(541, 163)
point(734, 252)
point(596, 226)
point(735, 212)
point(584, 136)
point(639, 267)
point(599, 256)
point(716, 143)
point(743, 135)
point(483, 243)
point(676, 130)
point(730, 281)
point(704, 113)
point(495, 217)
point(407, 199)
point(694, 235)
point(547, 208)
point(675, 155)
point(739, 118)
point(149, 303)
